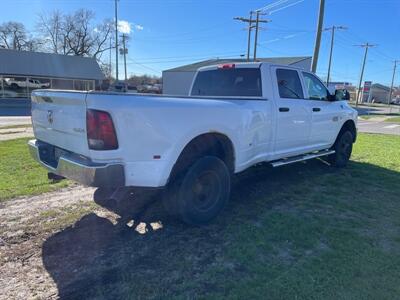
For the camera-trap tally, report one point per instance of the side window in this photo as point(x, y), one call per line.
point(316, 90)
point(289, 84)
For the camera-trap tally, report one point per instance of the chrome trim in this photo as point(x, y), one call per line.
point(82, 170)
point(301, 158)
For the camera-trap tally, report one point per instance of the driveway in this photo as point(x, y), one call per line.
point(376, 110)
point(17, 120)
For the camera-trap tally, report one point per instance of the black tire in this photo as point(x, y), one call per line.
point(14, 86)
point(197, 196)
point(343, 148)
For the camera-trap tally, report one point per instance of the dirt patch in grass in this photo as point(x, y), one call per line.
point(302, 231)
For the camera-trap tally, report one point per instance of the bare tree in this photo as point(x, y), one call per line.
point(101, 38)
point(51, 28)
point(13, 35)
point(78, 32)
point(75, 34)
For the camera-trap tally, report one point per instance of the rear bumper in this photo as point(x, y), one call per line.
point(78, 168)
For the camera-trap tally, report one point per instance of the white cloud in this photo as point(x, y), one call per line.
point(124, 27)
point(127, 27)
point(138, 27)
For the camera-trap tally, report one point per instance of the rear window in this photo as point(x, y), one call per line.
point(228, 82)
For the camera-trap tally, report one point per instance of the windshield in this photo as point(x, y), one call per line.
point(228, 82)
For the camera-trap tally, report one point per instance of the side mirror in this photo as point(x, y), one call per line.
point(342, 95)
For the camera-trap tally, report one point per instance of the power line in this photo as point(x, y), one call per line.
point(234, 53)
point(250, 22)
point(194, 38)
point(376, 51)
point(144, 66)
point(287, 6)
point(188, 59)
point(204, 29)
point(272, 5)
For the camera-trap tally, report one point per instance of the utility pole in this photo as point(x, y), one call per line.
point(258, 21)
point(250, 21)
point(318, 36)
point(116, 40)
point(249, 36)
point(124, 51)
point(366, 46)
point(391, 86)
point(110, 66)
point(333, 28)
point(256, 35)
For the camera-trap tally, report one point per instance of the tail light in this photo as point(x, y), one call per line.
point(226, 66)
point(100, 130)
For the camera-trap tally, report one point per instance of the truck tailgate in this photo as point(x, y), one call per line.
point(59, 118)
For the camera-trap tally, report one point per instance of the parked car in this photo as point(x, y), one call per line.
point(236, 116)
point(395, 101)
point(30, 83)
point(122, 87)
point(150, 88)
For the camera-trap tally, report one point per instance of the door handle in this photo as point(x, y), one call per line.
point(316, 109)
point(284, 109)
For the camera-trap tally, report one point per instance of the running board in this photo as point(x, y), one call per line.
point(294, 159)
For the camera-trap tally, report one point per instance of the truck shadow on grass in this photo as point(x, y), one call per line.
point(96, 258)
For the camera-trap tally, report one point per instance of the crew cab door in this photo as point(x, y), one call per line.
point(293, 117)
point(326, 115)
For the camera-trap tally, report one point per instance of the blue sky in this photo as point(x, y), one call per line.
point(177, 32)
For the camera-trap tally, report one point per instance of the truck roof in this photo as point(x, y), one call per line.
point(244, 65)
point(230, 65)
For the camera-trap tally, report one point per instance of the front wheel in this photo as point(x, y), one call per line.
point(343, 148)
point(201, 192)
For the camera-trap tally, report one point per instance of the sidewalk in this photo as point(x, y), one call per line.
point(15, 133)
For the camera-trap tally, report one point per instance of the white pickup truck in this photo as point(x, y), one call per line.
point(30, 83)
point(236, 116)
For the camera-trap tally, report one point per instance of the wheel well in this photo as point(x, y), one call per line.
point(213, 144)
point(349, 125)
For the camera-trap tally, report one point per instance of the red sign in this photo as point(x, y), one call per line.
point(367, 86)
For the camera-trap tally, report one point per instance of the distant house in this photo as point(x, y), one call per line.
point(177, 81)
point(23, 71)
point(379, 93)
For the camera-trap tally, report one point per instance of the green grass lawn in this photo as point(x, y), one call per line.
point(20, 174)
point(393, 120)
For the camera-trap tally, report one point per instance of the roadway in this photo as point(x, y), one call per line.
point(378, 127)
point(14, 120)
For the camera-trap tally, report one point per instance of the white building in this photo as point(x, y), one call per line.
point(177, 81)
